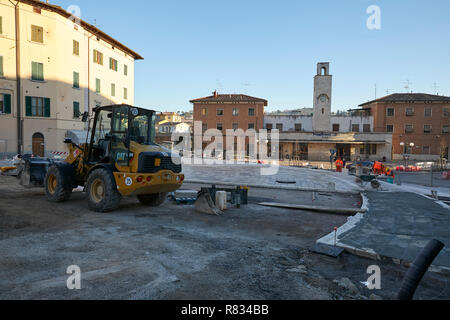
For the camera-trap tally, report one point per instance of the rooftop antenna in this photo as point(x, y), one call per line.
point(407, 86)
point(219, 85)
point(375, 91)
point(246, 86)
point(435, 87)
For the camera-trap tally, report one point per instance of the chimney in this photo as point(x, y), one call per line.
point(215, 94)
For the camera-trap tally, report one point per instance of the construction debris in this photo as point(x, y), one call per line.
point(347, 211)
point(205, 204)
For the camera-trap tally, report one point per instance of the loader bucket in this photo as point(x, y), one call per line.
point(32, 171)
point(205, 204)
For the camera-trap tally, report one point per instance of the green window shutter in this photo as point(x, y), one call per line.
point(37, 71)
point(110, 63)
point(76, 109)
point(34, 71)
point(97, 85)
point(41, 71)
point(47, 107)
point(1, 65)
point(113, 90)
point(76, 80)
point(1, 25)
point(28, 111)
point(7, 102)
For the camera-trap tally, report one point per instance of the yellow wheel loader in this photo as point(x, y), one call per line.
point(118, 159)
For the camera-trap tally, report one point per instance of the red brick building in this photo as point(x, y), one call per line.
point(419, 123)
point(229, 111)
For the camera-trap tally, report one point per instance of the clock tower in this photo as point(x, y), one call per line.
point(322, 98)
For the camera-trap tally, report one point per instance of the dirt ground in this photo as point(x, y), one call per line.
point(173, 252)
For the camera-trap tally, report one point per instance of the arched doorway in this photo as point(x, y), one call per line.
point(38, 144)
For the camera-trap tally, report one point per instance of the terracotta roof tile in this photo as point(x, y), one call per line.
point(409, 97)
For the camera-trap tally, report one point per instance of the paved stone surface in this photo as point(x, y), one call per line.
point(424, 178)
point(249, 174)
point(399, 225)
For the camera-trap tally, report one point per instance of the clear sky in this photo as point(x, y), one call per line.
point(269, 49)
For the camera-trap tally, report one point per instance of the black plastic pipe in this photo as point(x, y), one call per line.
point(418, 269)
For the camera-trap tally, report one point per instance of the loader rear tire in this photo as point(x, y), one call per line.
point(102, 191)
point(57, 185)
point(152, 200)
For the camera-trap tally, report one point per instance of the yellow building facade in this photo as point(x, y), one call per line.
point(53, 68)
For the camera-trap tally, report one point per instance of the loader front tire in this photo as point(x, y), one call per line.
point(57, 185)
point(102, 191)
point(152, 200)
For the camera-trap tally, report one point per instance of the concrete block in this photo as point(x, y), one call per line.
point(221, 200)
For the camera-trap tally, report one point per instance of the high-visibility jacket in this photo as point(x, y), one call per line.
point(339, 163)
point(378, 166)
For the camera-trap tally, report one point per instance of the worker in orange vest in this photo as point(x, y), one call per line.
point(377, 167)
point(339, 164)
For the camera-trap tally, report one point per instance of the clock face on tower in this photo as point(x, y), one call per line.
point(323, 98)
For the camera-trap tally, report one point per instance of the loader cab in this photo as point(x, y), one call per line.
point(114, 128)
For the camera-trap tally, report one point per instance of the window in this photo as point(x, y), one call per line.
point(336, 127)
point(5, 103)
point(409, 111)
point(97, 85)
point(355, 127)
point(426, 149)
point(125, 69)
point(279, 126)
point(235, 111)
point(220, 112)
point(204, 127)
point(112, 64)
point(251, 112)
point(446, 129)
point(37, 71)
point(368, 149)
point(98, 57)
point(251, 126)
point(446, 112)
point(409, 128)
point(366, 128)
point(113, 90)
point(1, 66)
point(37, 34)
point(125, 93)
point(76, 48)
point(269, 126)
point(76, 110)
point(374, 149)
point(298, 127)
point(1, 25)
point(235, 126)
point(428, 112)
point(390, 112)
point(204, 112)
point(427, 128)
point(219, 126)
point(76, 80)
point(37, 107)
point(390, 128)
